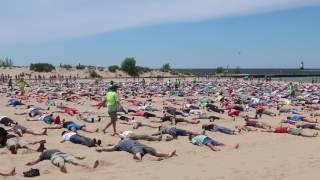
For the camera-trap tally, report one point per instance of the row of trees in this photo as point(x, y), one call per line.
point(129, 66)
point(6, 62)
point(221, 70)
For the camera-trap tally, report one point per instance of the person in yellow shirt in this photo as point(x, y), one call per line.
point(22, 84)
point(112, 102)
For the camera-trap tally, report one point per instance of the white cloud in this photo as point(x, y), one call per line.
point(26, 21)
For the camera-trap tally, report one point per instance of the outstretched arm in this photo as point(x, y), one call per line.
point(24, 113)
point(156, 134)
point(34, 162)
point(53, 127)
point(107, 149)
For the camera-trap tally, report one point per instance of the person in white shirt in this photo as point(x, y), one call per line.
point(79, 139)
point(133, 136)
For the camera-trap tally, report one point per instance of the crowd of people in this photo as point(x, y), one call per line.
point(158, 105)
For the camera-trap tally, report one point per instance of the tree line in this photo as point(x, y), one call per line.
point(6, 62)
point(128, 65)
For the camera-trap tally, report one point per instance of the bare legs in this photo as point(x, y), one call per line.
point(11, 173)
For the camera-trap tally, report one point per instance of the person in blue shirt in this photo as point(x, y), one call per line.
point(301, 118)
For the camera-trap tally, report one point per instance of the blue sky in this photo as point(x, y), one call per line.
point(184, 33)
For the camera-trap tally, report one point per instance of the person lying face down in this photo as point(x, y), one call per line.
point(134, 136)
point(207, 141)
point(79, 139)
point(216, 128)
point(292, 131)
point(60, 159)
point(13, 102)
point(137, 149)
point(173, 132)
point(73, 126)
point(13, 143)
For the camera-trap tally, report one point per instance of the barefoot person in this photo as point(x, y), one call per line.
point(292, 131)
point(59, 159)
point(14, 143)
point(11, 173)
point(207, 141)
point(137, 149)
point(73, 126)
point(134, 136)
point(112, 102)
point(20, 130)
point(173, 132)
point(79, 139)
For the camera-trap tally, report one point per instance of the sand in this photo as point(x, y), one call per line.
point(260, 156)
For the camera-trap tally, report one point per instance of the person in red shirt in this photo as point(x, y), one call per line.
point(292, 131)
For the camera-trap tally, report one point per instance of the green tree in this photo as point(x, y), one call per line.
point(113, 68)
point(66, 66)
point(165, 68)
point(79, 66)
point(220, 70)
point(129, 66)
point(42, 67)
point(6, 62)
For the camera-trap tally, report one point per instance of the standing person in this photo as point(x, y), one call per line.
point(22, 84)
point(112, 102)
point(10, 84)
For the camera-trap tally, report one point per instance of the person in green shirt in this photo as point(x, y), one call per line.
point(22, 84)
point(112, 103)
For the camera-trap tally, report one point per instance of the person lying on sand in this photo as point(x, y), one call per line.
point(46, 118)
point(261, 111)
point(173, 132)
point(301, 118)
point(257, 124)
point(309, 126)
point(88, 117)
point(13, 143)
point(32, 111)
point(6, 121)
point(214, 108)
point(136, 124)
point(292, 131)
point(76, 138)
point(138, 150)
point(145, 114)
point(73, 126)
point(173, 111)
point(134, 136)
point(59, 159)
point(207, 141)
point(174, 120)
point(216, 128)
point(206, 116)
point(20, 130)
point(13, 102)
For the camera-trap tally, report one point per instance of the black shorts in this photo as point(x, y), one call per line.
point(113, 116)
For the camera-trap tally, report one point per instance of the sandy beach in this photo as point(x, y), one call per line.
point(260, 156)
